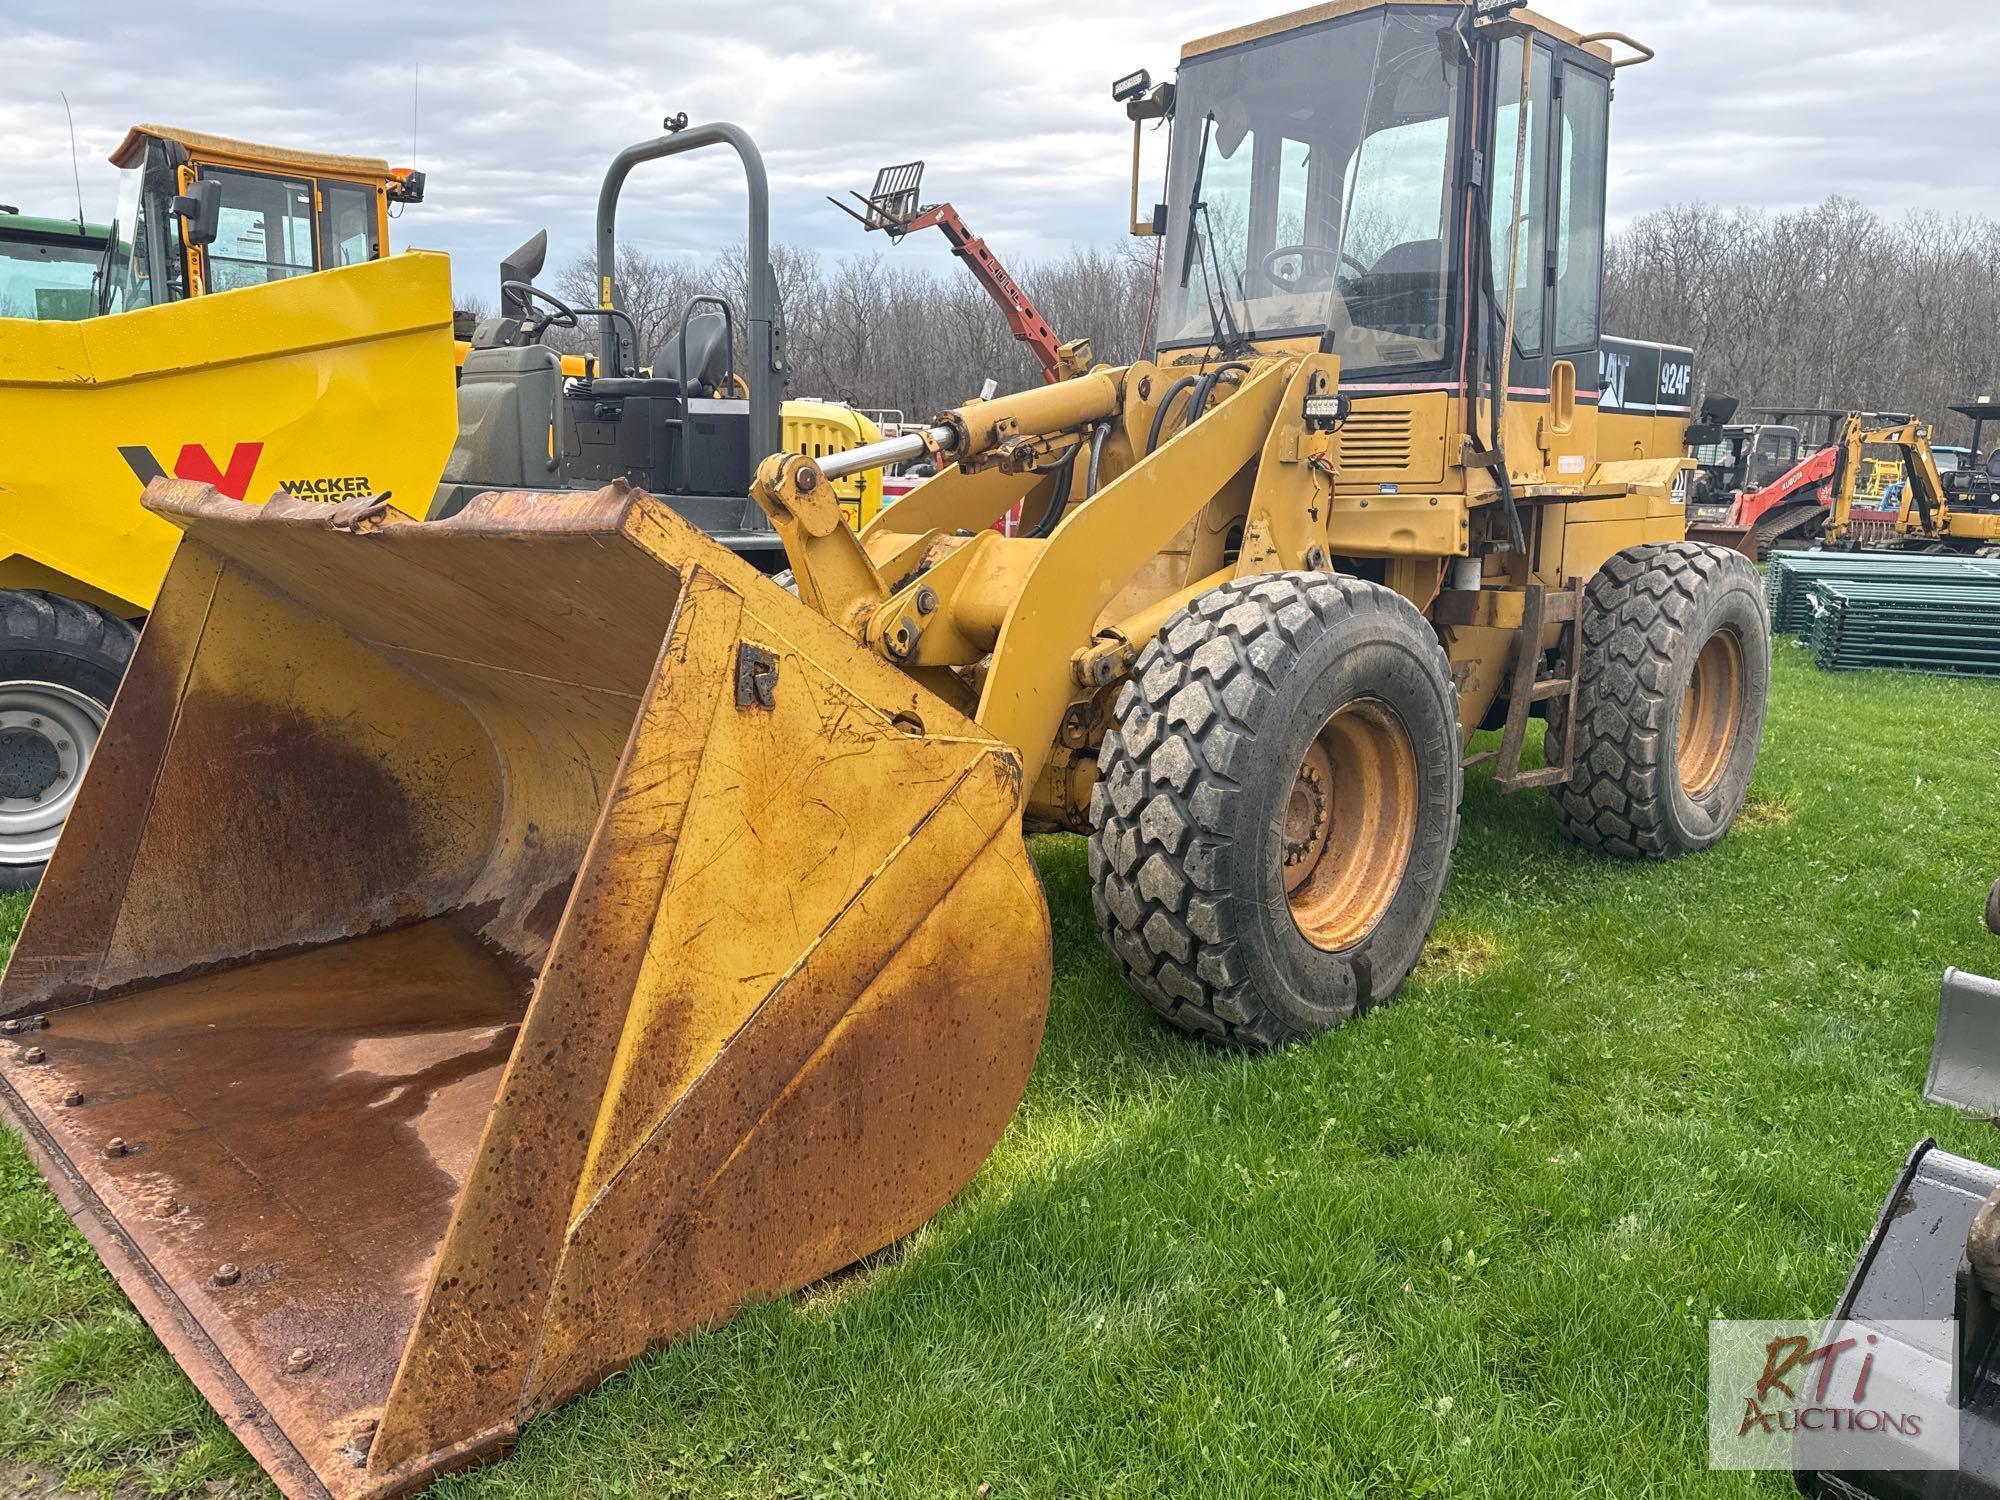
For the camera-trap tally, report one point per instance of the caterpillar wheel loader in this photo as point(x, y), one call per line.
point(493, 946)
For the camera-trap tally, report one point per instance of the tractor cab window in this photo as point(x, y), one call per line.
point(47, 275)
point(1310, 190)
point(349, 231)
point(265, 232)
point(142, 261)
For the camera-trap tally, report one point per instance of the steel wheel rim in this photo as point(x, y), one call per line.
point(1349, 825)
point(60, 726)
point(1711, 714)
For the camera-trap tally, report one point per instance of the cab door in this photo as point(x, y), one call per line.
point(1554, 173)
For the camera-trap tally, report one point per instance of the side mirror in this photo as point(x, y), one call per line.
point(1718, 411)
point(523, 266)
point(200, 210)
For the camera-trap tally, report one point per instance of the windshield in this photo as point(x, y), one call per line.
point(1310, 189)
point(47, 278)
point(143, 260)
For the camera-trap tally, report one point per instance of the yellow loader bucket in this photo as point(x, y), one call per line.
point(486, 949)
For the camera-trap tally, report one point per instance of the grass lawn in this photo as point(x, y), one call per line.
point(1467, 1246)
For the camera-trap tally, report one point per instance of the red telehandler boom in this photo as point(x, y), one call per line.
point(894, 208)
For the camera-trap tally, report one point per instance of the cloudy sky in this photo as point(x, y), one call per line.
point(1765, 102)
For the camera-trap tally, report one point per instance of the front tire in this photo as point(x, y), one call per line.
point(60, 664)
point(1671, 696)
point(1277, 808)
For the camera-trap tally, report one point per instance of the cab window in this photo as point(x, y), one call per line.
point(1778, 447)
point(143, 263)
point(1531, 257)
point(1586, 124)
point(265, 230)
point(349, 231)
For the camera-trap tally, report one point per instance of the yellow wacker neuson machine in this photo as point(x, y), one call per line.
point(487, 948)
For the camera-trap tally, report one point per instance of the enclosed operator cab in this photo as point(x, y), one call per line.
point(48, 267)
point(200, 213)
point(1359, 182)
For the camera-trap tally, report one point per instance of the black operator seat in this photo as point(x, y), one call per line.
point(1404, 288)
point(707, 340)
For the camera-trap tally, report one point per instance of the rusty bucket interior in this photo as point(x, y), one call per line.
point(485, 949)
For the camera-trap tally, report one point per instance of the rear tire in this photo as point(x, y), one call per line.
point(60, 664)
point(1671, 696)
point(1277, 807)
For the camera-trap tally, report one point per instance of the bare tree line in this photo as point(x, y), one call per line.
point(1833, 306)
point(880, 332)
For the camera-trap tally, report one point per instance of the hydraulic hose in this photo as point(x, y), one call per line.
point(1097, 440)
point(1058, 501)
point(1205, 388)
point(1186, 382)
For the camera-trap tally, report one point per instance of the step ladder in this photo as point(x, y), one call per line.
point(1540, 608)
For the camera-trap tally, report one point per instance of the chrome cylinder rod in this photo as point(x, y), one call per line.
point(893, 450)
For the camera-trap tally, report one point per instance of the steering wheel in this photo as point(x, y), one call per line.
point(1302, 254)
point(562, 316)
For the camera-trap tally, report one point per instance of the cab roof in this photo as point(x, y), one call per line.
point(24, 226)
point(1329, 10)
point(223, 150)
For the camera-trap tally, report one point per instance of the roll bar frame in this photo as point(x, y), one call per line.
point(765, 325)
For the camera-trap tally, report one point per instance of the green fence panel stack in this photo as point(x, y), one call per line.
point(1861, 624)
point(1911, 576)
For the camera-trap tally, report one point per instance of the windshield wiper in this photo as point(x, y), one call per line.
point(1195, 204)
point(1226, 317)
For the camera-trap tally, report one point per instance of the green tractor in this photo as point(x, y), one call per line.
point(48, 267)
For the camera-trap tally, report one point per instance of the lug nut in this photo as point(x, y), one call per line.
point(34, 1055)
point(165, 1208)
point(115, 1148)
point(298, 1361)
point(226, 1274)
point(73, 1099)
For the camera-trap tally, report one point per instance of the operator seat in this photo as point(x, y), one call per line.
point(706, 334)
point(1404, 291)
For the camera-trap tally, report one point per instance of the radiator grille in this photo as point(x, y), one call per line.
point(1375, 440)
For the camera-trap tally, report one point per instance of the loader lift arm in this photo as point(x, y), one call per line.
point(893, 208)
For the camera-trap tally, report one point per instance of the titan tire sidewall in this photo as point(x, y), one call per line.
point(1737, 607)
point(1312, 988)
